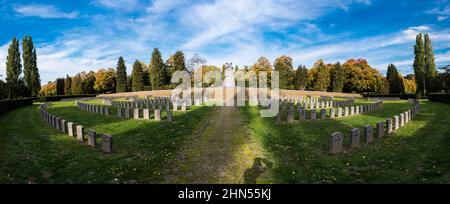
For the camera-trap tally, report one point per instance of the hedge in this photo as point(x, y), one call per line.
point(439, 97)
point(9, 105)
point(401, 96)
point(60, 97)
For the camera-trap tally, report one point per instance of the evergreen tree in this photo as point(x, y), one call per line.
point(35, 76)
point(59, 86)
point(283, 65)
point(121, 76)
point(419, 65)
point(27, 56)
point(337, 78)
point(13, 68)
point(76, 85)
point(30, 70)
point(179, 63)
point(88, 83)
point(68, 85)
point(3, 90)
point(158, 72)
point(129, 83)
point(301, 77)
point(393, 78)
point(319, 77)
point(137, 77)
point(430, 66)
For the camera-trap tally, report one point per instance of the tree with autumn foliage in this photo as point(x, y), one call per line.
point(319, 76)
point(283, 65)
point(105, 81)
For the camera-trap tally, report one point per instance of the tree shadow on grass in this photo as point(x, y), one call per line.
point(259, 166)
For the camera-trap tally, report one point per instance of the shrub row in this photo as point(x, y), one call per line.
point(60, 97)
point(401, 96)
point(439, 97)
point(9, 105)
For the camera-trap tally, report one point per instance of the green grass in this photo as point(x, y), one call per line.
point(31, 151)
point(416, 153)
point(151, 152)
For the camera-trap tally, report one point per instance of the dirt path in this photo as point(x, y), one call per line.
point(222, 151)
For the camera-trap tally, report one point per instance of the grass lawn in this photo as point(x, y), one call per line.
point(198, 148)
point(34, 152)
point(416, 153)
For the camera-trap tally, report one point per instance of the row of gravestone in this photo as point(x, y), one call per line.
point(323, 113)
point(104, 110)
point(382, 128)
point(137, 113)
point(317, 105)
point(74, 130)
point(144, 103)
point(306, 99)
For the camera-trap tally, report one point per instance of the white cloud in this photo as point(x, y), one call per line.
point(442, 14)
point(222, 17)
point(42, 11)
point(122, 5)
point(162, 6)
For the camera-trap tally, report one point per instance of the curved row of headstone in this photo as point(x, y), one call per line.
point(74, 130)
point(149, 103)
point(144, 114)
point(383, 128)
point(317, 104)
point(325, 113)
point(99, 109)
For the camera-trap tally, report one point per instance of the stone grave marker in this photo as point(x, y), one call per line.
point(369, 133)
point(158, 114)
point(323, 114)
point(92, 138)
point(80, 133)
point(313, 114)
point(107, 143)
point(396, 122)
point(389, 126)
point(71, 129)
point(336, 142)
point(354, 138)
point(380, 130)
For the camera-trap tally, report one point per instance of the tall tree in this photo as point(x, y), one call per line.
point(35, 76)
point(419, 65)
point(27, 56)
point(430, 66)
point(30, 69)
point(319, 77)
point(68, 85)
point(158, 72)
point(283, 65)
point(121, 76)
point(76, 85)
point(105, 81)
point(88, 83)
point(393, 77)
point(13, 68)
point(59, 86)
point(301, 77)
point(137, 76)
point(337, 78)
point(179, 63)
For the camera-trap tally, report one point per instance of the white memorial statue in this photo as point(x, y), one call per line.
point(229, 76)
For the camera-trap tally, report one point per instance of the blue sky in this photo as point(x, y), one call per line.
point(72, 36)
